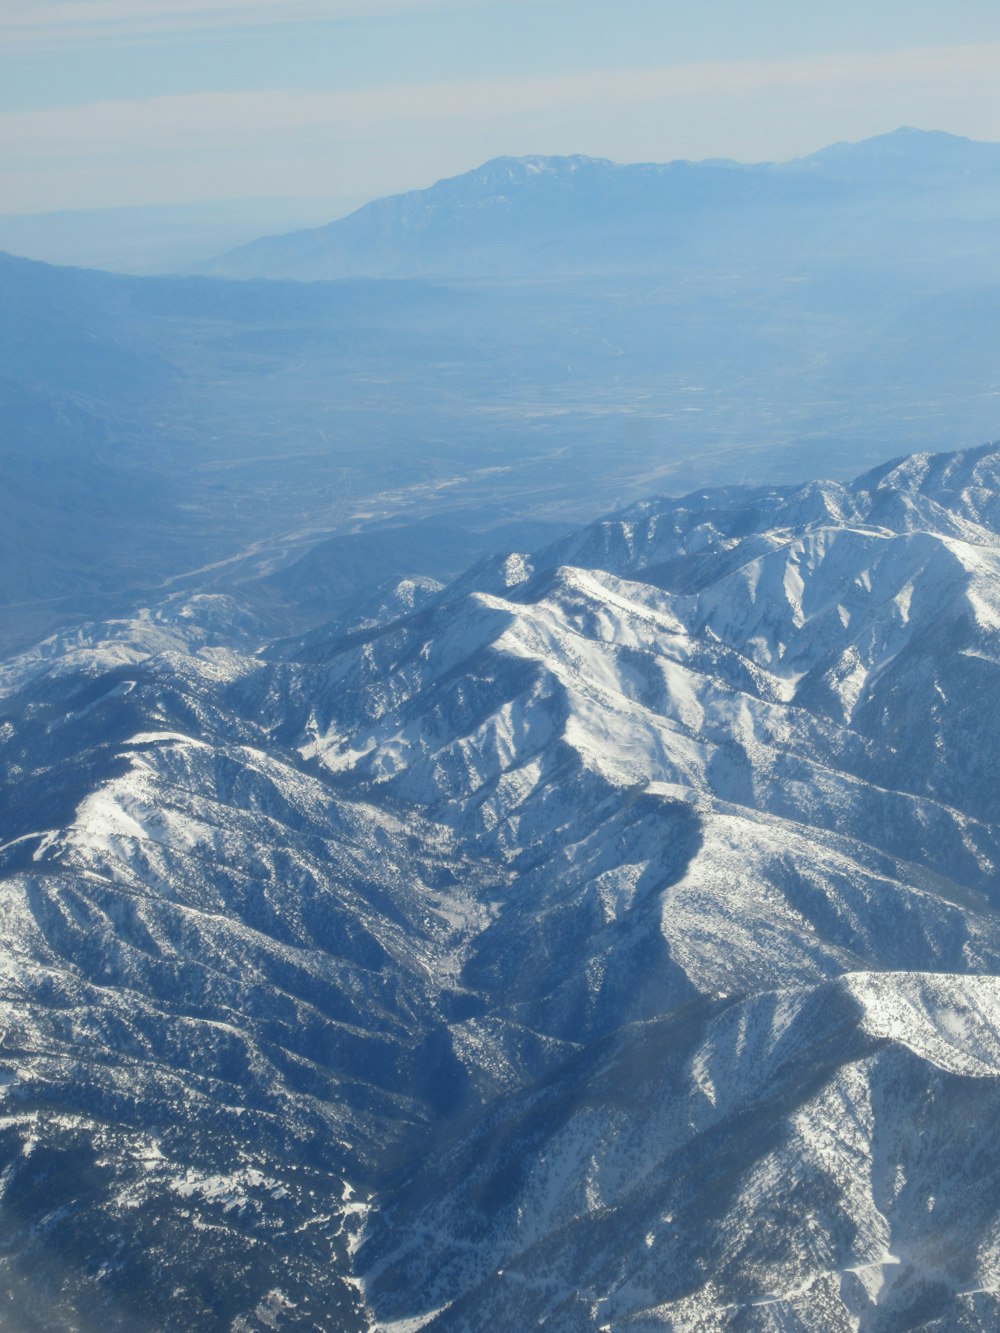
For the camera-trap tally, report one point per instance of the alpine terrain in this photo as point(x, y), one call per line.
point(608, 939)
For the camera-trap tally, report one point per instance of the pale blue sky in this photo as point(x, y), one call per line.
point(106, 102)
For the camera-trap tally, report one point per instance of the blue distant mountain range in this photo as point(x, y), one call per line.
point(885, 197)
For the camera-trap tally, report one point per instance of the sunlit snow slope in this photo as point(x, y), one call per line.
point(610, 942)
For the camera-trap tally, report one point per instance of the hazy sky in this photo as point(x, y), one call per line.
point(106, 102)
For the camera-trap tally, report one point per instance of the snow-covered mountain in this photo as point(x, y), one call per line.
point(608, 939)
point(909, 194)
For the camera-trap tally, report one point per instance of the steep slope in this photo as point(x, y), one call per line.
point(219, 986)
point(609, 940)
point(804, 1159)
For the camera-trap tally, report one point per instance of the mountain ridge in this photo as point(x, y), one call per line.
point(542, 214)
point(611, 939)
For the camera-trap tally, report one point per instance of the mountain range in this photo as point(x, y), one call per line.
point(900, 199)
point(606, 939)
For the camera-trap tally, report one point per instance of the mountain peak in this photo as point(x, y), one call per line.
point(535, 168)
point(904, 150)
point(537, 164)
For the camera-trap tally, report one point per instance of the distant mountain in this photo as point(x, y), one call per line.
point(573, 215)
point(609, 939)
point(914, 156)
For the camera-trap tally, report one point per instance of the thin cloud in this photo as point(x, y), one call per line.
point(54, 22)
point(376, 140)
point(224, 119)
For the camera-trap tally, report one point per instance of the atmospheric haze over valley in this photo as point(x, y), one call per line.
point(500, 808)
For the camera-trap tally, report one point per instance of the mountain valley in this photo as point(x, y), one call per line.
point(606, 938)
point(727, 324)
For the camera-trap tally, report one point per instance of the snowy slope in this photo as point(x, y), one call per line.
point(608, 939)
point(808, 1158)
